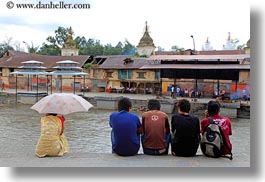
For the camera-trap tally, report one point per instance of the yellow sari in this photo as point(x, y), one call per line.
point(51, 141)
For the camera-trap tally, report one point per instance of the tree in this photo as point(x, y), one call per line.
point(31, 48)
point(128, 48)
point(85, 46)
point(47, 49)
point(177, 48)
point(6, 45)
point(241, 47)
point(159, 48)
point(54, 42)
point(60, 36)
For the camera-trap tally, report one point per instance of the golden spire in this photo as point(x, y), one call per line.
point(146, 40)
point(69, 43)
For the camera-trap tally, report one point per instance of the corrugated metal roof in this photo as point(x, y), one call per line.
point(200, 57)
point(67, 62)
point(197, 66)
point(118, 62)
point(67, 67)
point(74, 73)
point(32, 67)
point(32, 62)
point(29, 72)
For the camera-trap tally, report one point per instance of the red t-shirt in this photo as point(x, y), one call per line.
point(226, 126)
point(62, 121)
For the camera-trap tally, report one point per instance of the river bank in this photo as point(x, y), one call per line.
point(103, 100)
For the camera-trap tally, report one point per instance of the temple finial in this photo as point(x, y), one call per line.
point(229, 36)
point(146, 29)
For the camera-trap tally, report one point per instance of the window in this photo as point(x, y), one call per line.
point(157, 74)
point(95, 73)
point(141, 74)
point(109, 75)
point(125, 74)
point(11, 70)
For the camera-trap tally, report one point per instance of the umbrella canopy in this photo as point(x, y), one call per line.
point(62, 103)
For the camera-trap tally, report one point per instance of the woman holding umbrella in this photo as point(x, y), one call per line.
point(52, 141)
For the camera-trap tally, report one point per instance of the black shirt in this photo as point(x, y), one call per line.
point(185, 130)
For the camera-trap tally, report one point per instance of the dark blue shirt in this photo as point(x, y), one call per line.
point(125, 140)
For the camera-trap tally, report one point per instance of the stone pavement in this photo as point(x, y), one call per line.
point(113, 160)
point(131, 96)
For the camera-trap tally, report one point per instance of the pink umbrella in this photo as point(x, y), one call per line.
point(62, 103)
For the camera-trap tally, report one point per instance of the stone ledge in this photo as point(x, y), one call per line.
point(113, 160)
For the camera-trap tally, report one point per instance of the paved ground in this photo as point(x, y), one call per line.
point(113, 160)
point(132, 96)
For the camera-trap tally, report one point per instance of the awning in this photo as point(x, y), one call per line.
point(200, 57)
point(29, 72)
point(71, 73)
point(198, 66)
point(67, 67)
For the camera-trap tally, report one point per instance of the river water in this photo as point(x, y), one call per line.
point(86, 132)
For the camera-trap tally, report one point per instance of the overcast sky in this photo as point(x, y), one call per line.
point(171, 22)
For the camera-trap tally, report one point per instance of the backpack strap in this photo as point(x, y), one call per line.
point(224, 140)
point(211, 120)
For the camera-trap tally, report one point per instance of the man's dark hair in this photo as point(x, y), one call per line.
point(52, 114)
point(213, 107)
point(184, 105)
point(154, 104)
point(124, 104)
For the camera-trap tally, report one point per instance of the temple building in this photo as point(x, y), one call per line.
point(146, 45)
point(230, 45)
point(207, 46)
point(69, 47)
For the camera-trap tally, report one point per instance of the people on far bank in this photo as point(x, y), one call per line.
point(213, 111)
point(155, 130)
point(185, 131)
point(126, 129)
point(52, 141)
point(172, 91)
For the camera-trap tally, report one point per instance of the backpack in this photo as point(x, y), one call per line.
point(213, 141)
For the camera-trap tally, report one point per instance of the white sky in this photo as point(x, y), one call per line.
point(171, 22)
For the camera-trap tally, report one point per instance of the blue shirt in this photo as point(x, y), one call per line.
point(125, 140)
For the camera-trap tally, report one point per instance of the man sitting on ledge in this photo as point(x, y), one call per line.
point(126, 129)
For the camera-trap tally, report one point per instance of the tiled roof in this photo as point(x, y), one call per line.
point(14, 59)
point(123, 62)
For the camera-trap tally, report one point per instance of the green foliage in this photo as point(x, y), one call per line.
point(86, 46)
point(51, 50)
point(87, 65)
point(6, 45)
point(177, 48)
point(94, 47)
point(4, 48)
point(241, 47)
point(54, 43)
